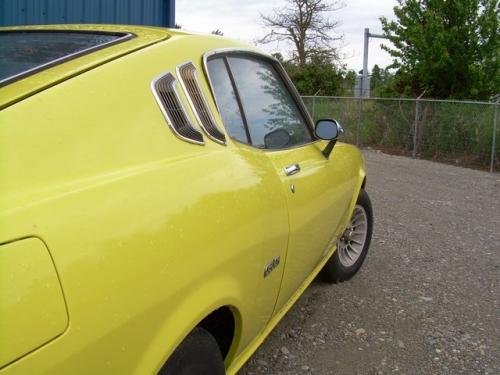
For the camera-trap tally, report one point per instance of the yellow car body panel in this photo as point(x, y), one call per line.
point(150, 234)
point(37, 297)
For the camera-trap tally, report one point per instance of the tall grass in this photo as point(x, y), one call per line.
point(460, 132)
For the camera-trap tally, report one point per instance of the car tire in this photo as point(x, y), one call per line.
point(353, 245)
point(198, 354)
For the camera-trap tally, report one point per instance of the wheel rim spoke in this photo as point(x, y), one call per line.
point(348, 253)
point(352, 242)
point(354, 251)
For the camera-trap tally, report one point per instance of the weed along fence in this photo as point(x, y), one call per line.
point(461, 132)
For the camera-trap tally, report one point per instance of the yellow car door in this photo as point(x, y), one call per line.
point(317, 196)
point(316, 193)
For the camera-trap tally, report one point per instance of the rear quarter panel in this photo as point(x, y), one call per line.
point(148, 233)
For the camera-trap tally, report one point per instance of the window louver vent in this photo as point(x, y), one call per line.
point(187, 73)
point(171, 106)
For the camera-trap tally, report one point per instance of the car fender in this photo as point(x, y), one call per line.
point(358, 164)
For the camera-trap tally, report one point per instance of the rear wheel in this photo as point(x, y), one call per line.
point(198, 354)
point(353, 245)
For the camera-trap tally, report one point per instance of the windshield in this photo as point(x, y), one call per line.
point(25, 52)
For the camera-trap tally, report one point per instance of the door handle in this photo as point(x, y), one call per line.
point(292, 169)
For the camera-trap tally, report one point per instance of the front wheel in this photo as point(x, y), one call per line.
point(353, 245)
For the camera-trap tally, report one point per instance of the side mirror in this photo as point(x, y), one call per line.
point(278, 138)
point(328, 130)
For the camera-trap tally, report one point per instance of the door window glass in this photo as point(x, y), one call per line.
point(273, 119)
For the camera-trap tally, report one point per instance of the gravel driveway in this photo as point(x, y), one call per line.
point(426, 299)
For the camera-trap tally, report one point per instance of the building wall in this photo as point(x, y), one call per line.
point(133, 12)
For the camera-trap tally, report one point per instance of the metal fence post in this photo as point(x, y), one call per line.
point(360, 120)
point(494, 138)
point(415, 129)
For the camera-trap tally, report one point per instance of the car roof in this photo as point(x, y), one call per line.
point(143, 36)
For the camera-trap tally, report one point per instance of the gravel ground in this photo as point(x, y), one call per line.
point(426, 299)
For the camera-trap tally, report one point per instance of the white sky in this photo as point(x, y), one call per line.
point(239, 19)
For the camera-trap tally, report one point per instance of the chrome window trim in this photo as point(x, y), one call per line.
point(123, 37)
point(165, 113)
point(283, 75)
point(191, 104)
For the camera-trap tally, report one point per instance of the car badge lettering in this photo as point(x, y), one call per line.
point(271, 266)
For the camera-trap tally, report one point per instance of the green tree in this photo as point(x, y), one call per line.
point(382, 83)
point(450, 48)
point(316, 75)
point(307, 26)
point(377, 77)
point(349, 80)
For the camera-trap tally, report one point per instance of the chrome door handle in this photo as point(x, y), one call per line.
point(292, 169)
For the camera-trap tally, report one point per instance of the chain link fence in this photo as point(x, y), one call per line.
point(460, 132)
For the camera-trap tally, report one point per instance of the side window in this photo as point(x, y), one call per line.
point(226, 99)
point(273, 119)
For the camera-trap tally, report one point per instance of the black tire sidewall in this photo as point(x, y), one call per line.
point(198, 354)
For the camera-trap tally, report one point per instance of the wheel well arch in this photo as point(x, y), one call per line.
point(222, 325)
point(190, 308)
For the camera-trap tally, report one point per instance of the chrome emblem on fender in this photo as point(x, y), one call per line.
point(271, 266)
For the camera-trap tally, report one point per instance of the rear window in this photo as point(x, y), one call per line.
point(25, 52)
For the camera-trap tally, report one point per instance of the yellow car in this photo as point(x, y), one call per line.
point(164, 200)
